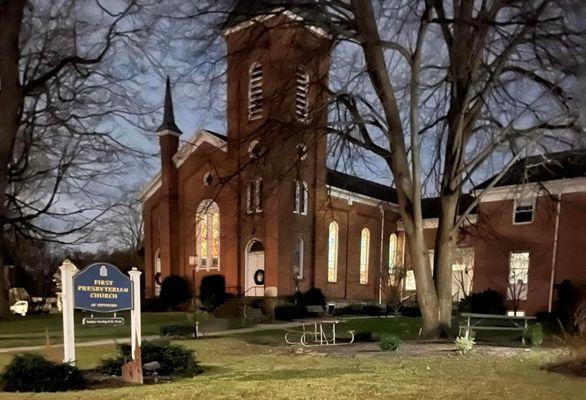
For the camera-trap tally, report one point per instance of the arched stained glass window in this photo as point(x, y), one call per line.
point(208, 236)
point(364, 255)
point(333, 252)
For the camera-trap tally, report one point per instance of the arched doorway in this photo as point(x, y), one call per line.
point(254, 278)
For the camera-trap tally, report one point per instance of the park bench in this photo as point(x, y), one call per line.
point(477, 322)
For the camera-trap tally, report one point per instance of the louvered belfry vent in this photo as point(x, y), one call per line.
point(255, 92)
point(301, 95)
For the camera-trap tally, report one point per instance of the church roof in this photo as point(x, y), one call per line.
point(168, 114)
point(243, 10)
point(544, 167)
point(361, 186)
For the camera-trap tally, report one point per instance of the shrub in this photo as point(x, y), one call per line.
point(534, 335)
point(174, 291)
point(372, 310)
point(154, 305)
point(34, 373)
point(289, 312)
point(390, 343)
point(314, 297)
point(487, 302)
point(464, 344)
point(177, 331)
point(567, 301)
point(411, 311)
point(175, 359)
point(212, 291)
point(363, 336)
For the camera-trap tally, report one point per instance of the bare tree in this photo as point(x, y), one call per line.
point(441, 91)
point(69, 79)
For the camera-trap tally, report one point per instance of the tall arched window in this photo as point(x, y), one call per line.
point(208, 236)
point(302, 95)
point(157, 275)
point(300, 198)
point(333, 252)
point(364, 255)
point(298, 257)
point(392, 253)
point(255, 91)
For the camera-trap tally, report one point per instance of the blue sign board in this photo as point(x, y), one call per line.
point(102, 288)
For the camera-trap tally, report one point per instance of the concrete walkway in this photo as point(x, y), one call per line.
point(220, 333)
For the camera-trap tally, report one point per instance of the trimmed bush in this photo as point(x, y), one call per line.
point(212, 291)
point(174, 291)
point(534, 335)
point(34, 373)
point(175, 359)
point(177, 331)
point(411, 311)
point(372, 310)
point(314, 297)
point(289, 312)
point(390, 343)
point(363, 336)
point(487, 302)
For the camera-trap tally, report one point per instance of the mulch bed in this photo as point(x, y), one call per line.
point(575, 367)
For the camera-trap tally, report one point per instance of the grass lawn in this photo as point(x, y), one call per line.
point(235, 369)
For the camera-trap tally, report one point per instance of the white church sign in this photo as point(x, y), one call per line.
point(99, 288)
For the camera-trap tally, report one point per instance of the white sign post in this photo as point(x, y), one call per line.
point(135, 323)
point(68, 269)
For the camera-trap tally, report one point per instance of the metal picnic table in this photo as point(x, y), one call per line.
point(475, 322)
point(318, 331)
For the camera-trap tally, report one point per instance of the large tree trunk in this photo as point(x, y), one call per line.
point(11, 98)
point(445, 245)
point(406, 181)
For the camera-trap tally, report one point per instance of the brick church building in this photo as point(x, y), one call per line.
point(260, 206)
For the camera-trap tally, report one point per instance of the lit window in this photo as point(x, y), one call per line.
point(300, 198)
point(208, 236)
point(523, 213)
point(255, 91)
point(392, 253)
point(364, 254)
point(301, 95)
point(254, 198)
point(298, 258)
point(518, 275)
point(333, 252)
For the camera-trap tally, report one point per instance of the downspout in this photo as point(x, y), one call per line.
point(380, 272)
point(555, 252)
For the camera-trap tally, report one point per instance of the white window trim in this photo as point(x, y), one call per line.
point(258, 196)
point(525, 293)
point(301, 192)
point(515, 203)
point(158, 268)
point(335, 251)
point(253, 200)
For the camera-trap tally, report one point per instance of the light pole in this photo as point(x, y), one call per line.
point(195, 322)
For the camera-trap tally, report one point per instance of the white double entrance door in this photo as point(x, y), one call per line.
point(254, 279)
